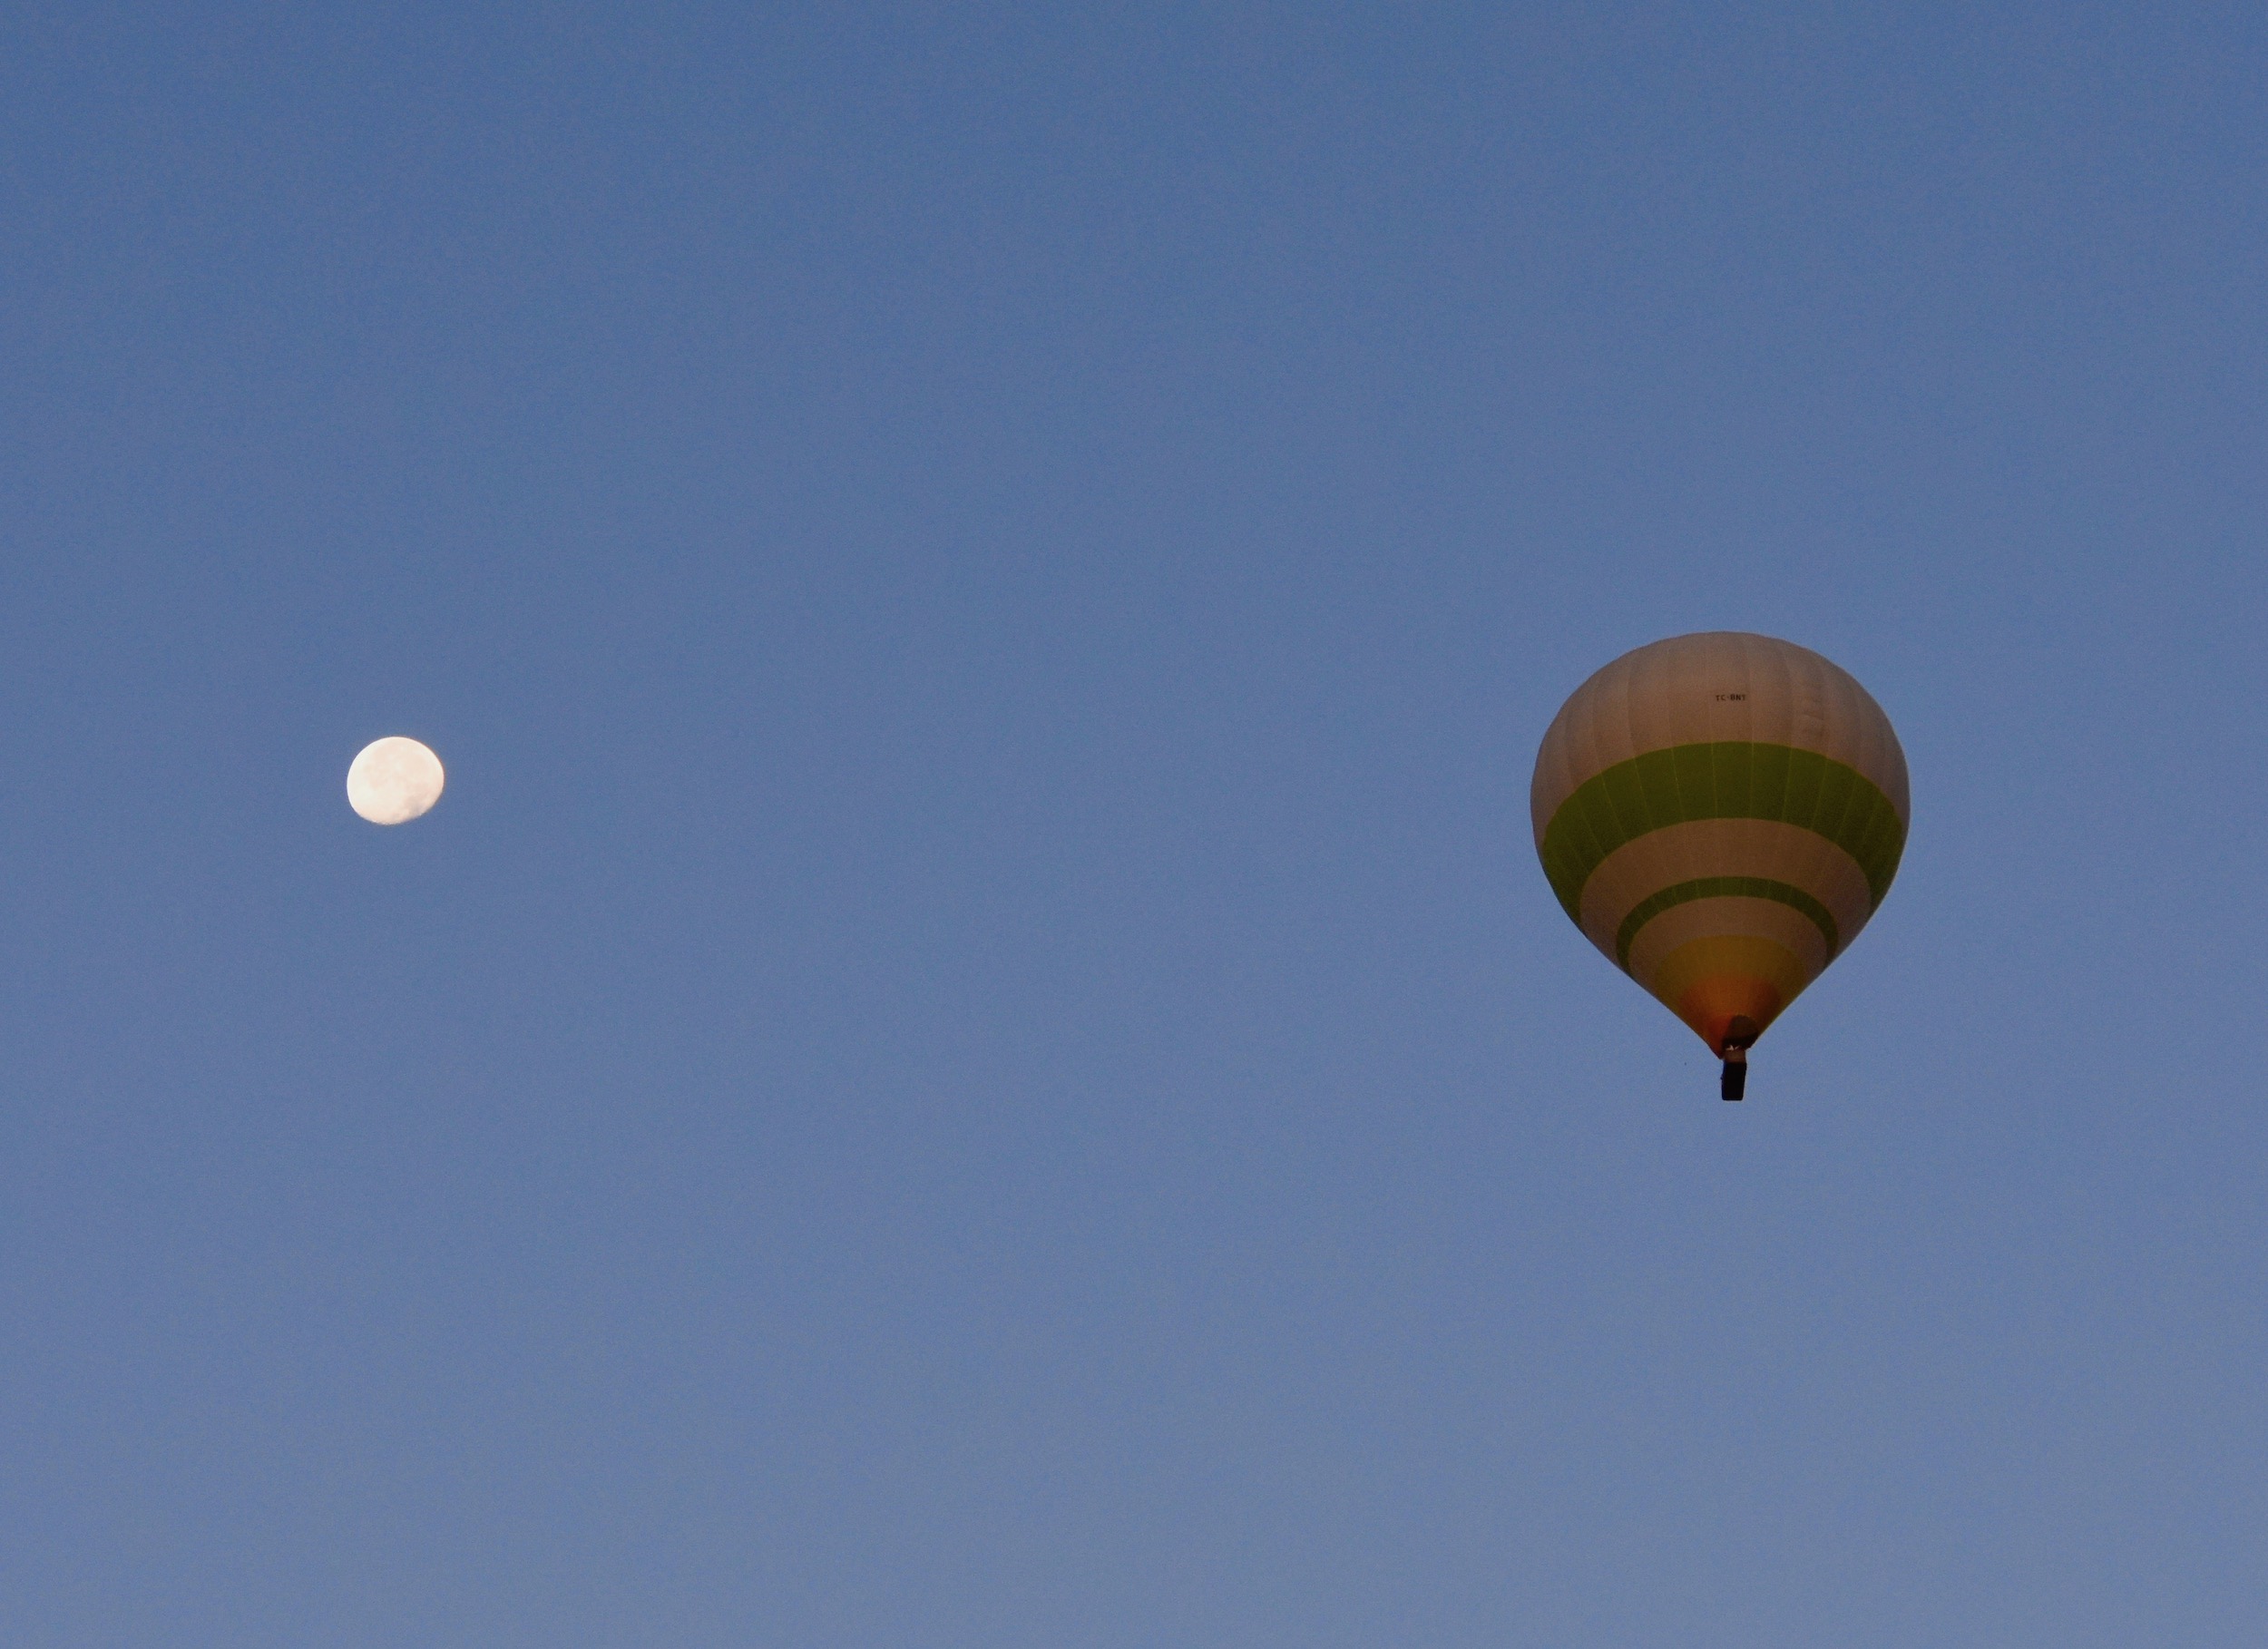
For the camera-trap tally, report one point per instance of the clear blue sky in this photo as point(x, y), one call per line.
point(977, 1054)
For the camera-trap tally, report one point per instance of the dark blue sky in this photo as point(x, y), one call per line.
point(977, 1054)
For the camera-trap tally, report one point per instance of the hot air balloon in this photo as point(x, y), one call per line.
point(1721, 814)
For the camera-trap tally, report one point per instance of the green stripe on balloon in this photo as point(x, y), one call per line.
point(1724, 887)
point(1728, 780)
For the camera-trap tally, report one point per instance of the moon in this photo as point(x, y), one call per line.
point(394, 781)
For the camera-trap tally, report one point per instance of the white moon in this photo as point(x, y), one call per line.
point(392, 781)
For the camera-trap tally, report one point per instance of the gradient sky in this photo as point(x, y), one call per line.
point(977, 1055)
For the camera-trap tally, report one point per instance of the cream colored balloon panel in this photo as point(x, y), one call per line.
point(1765, 919)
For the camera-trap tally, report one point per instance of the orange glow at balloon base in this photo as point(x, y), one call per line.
point(1711, 1006)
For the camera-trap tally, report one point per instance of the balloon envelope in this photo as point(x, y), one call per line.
point(1720, 813)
